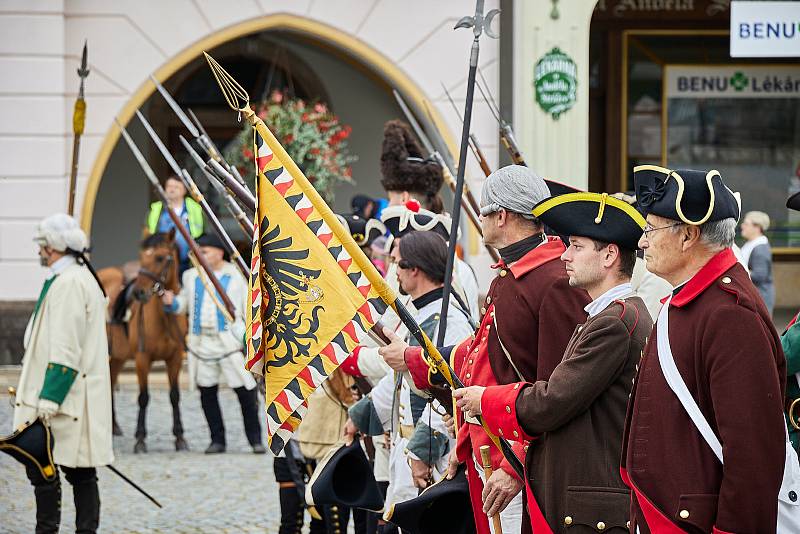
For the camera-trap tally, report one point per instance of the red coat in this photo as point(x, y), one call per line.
point(730, 357)
point(536, 312)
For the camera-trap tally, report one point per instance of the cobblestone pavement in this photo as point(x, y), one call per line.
point(231, 492)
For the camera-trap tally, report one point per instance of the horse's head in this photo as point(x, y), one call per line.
point(158, 266)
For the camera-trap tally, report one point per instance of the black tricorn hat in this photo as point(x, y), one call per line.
point(595, 215)
point(557, 188)
point(794, 202)
point(442, 507)
point(32, 445)
point(404, 166)
point(400, 220)
point(213, 240)
point(345, 477)
point(364, 231)
point(690, 196)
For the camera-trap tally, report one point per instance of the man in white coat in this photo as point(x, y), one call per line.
point(65, 376)
point(215, 346)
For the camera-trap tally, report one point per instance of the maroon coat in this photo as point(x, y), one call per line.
point(730, 357)
point(578, 416)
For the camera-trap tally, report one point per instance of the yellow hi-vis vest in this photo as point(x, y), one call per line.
point(193, 210)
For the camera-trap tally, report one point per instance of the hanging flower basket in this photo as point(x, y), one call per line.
point(312, 136)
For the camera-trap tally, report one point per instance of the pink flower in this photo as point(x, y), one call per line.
point(319, 107)
point(276, 96)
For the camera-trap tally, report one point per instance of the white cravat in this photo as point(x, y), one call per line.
point(601, 303)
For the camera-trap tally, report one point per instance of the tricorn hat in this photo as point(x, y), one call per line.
point(32, 445)
point(345, 477)
point(594, 215)
point(794, 202)
point(364, 231)
point(401, 219)
point(404, 166)
point(442, 507)
point(213, 240)
point(693, 197)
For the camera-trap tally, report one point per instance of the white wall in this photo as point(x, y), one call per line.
point(40, 44)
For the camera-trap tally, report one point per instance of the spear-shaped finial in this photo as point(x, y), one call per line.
point(231, 90)
point(78, 123)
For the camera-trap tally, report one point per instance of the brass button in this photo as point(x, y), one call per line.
point(470, 361)
point(628, 524)
point(684, 514)
point(488, 299)
point(508, 409)
point(726, 280)
point(568, 520)
point(469, 375)
point(516, 386)
point(516, 434)
point(492, 314)
point(476, 350)
point(503, 272)
point(601, 525)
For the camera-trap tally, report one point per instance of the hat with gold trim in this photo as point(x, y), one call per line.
point(32, 445)
point(595, 215)
point(686, 195)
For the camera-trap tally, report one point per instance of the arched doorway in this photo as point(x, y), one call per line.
point(326, 63)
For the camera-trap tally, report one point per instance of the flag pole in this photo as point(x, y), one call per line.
point(479, 23)
point(238, 99)
point(78, 123)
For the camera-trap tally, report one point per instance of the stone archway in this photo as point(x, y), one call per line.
point(336, 41)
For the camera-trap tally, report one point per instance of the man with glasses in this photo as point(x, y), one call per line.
point(527, 319)
point(714, 342)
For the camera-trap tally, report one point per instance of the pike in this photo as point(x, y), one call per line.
point(233, 206)
point(473, 140)
point(195, 249)
point(234, 93)
point(78, 123)
point(198, 197)
point(196, 129)
point(506, 132)
point(472, 210)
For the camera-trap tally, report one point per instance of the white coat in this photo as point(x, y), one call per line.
point(69, 330)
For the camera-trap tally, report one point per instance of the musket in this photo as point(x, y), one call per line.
point(198, 197)
point(78, 123)
point(245, 197)
point(473, 140)
point(506, 132)
point(193, 247)
point(471, 207)
point(233, 206)
point(196, 129)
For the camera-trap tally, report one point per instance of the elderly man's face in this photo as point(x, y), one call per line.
point(662, 245)
point(491, 227)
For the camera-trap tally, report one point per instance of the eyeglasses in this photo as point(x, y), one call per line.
point(649, 229)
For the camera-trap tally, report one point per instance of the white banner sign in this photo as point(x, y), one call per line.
point(734, 81)
point(765, 29)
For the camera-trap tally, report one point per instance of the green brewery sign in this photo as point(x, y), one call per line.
point(555, 80)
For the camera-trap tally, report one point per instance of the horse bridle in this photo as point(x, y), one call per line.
point(159, 280)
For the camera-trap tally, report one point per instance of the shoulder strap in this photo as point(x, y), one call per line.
point(677, 385)
point(505, 351)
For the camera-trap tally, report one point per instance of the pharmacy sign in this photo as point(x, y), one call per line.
point(555, 81)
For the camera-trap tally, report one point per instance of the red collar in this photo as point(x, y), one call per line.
point(549, 251)
point(706, 276)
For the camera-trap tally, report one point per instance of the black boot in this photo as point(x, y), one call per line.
point(248, 400)
point(86, 497)
point(210, 403)
point(48, 501)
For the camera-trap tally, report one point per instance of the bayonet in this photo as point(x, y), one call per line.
point(229, 310)
point(506, 132)
point(233, 206)
point(225, 178)
point(176, 108)
point(198, 197)
point(473, 140)
point(213, 152)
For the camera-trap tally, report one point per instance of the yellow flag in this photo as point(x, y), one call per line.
point(310, 302)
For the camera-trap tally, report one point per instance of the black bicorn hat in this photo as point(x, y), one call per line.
point(32, 446)
point(793, 203)
point(595, 215)
point(364, 231)
point(403, 165)
point(686, 195)
point(442, 507)
point(402, 219)
point(213, 240)
point(345, 477)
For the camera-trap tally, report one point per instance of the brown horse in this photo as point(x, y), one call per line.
point(152, 334)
